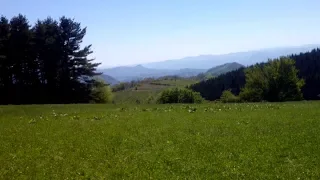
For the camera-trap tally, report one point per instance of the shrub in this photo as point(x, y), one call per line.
point(138, 101)
point(101, 92)
point(228, 97)
point(177, 95)
point(251, 95)
point(150, 99)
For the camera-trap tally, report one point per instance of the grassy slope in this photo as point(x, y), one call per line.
point(149, 89)
point(218, 141)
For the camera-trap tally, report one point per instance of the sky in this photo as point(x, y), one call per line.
point(125, 32)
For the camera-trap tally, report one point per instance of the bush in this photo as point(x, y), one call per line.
point(177, 95)
point(150, 99)
point(101, 92)
point(251, 95)
point(228, 97)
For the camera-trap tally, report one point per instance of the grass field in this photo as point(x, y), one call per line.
point(149, 89)
point(208, 141)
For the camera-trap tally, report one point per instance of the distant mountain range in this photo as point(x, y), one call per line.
point(192, 66)
point(245, 58)
point(128, 73)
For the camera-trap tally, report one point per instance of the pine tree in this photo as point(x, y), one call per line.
point(5, 78)
point(47, 45)
point(76, 70)
point(20, 58)
point(44, 63)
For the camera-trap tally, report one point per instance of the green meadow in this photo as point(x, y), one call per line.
point(207, 141)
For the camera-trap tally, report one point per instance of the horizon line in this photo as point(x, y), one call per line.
point(221, 54)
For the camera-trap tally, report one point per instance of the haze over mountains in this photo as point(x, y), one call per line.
point(192, 66)
point(245, 58)
point(128, 73)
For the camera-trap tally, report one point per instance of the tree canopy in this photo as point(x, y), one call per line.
point(44, 63)
point(307, 68)
point(275, 81)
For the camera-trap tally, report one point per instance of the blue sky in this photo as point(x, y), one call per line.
point(126, 32)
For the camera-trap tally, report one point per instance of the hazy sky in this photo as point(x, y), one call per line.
point(135, 31)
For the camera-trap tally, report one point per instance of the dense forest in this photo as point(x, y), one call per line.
point(307, 64)
point(44, 63)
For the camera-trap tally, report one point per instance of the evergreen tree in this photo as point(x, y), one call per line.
point(19, 56)
point(5, 77)
point(48, 54)
point(44, 63)
point(76, 70)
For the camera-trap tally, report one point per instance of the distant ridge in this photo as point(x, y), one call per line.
point(192, 66)
point(128, 73)
point(109, 79)
point(221, 69)
point(246, 58)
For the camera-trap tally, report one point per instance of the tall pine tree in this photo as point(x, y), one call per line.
point(76, 70)
point(44, 63)
point(5, 68)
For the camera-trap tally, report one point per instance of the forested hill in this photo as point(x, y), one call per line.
point(307, 63)
point(221, 69)
point(109, 79)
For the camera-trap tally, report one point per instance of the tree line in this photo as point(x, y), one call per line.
point(255, 83)
point(44, 63)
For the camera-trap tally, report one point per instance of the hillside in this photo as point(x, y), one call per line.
point(307, 64)
point(222, 69)
point(143, 90)
point(140, 91)
point(109, 79)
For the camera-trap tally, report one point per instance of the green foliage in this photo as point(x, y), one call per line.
point(150, 99)
point(125, 85)
point(256, 84)
point(177, 95)
point(276, 81)
point(228, 97)
point(101, 92)
point(307, 64)
point(284, 83)
point(212, 88)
